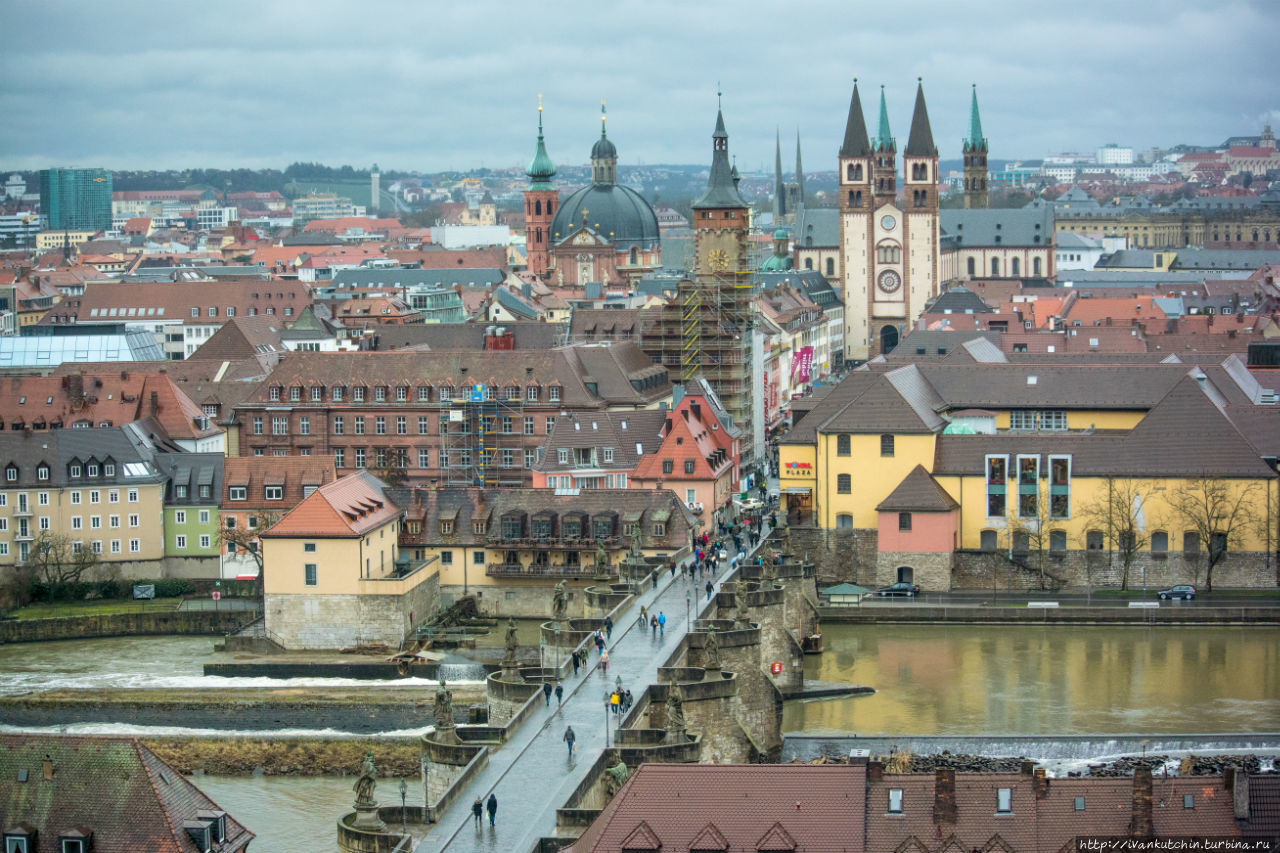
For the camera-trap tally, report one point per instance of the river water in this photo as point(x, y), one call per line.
point(1054, 680)
point(930, 680)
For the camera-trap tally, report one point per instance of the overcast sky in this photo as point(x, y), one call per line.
point(432, 84)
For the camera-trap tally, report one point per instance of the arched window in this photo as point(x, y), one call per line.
point(995, 266)
point(888, 339)
point(1035, 266)
point(831, 266)
point(971, 266)
point(1015, 267)
point(857, 198)
point(537, 207)
point(808, 263)
point(634, 257)
point(537, 235)
point(857, 172)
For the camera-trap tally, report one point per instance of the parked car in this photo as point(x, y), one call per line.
point(910, 590)
point(1182, 590)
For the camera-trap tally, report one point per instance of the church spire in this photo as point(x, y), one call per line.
point(541, 170)
point(779, 189)
point(856, 143)
point(799, 174)
point(884, 137)
point(920, 142)
point(975, 139)
point(721, 193)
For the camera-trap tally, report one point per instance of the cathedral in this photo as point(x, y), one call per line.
point(604, 232)
point(889, 254)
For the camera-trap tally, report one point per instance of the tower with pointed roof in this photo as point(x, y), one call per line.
point(779, 188)
point(888, 246)
point(540, 201)
point(799, 176)
point(975, 160)
point(713, 306)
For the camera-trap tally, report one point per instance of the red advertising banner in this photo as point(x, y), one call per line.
point(801, 365)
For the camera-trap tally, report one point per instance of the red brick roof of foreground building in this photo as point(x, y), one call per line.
point(114, 788)
point(733, 807)
point(349, 507)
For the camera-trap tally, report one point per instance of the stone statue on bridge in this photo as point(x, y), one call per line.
point(616, 776)
point(511, 644)
point(444, 707)
point(741, 615)
point(367, 781)
point(711, 650)
point(602, 558)
point(675, 712)
point(560, 602)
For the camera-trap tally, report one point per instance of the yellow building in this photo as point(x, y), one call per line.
point(80, 489)
point(49, 240)
point(332, 573)
point(956, 473)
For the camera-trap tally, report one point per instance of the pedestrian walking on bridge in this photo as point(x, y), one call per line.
point(477, 810)
point(492, 808)
point(546, 692)
point(559, 694)
point(569, 738)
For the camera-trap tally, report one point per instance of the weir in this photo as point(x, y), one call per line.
point(804, 747)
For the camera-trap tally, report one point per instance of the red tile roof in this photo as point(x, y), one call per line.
point(349, 507)
point(815, 809)
point(143, 807)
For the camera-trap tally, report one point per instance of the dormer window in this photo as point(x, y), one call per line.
point(274, 393)
point(11, 473)
point(21, 838)
point(336, 393)
point(554, 392)
point(446, 527)
point(42, 471)
point(357, 394)
point(532, 394)
point(295, 393)
point(93, 469)
point(380, 394)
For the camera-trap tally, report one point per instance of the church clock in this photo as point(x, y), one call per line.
point(719, 259)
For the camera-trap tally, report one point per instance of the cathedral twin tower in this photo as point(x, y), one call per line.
point(889, 252)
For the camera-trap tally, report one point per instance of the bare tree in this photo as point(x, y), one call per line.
point(56, 560)
point(1219, 511)
point(1030, 534)
point(1120, 513)
point(246, 538)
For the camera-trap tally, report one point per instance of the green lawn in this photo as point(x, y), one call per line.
point(93, 608)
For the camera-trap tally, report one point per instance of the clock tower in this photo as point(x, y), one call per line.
point(712, 309)
point(888, 246)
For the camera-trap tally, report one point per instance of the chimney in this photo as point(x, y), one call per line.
point(1238, 781)
point(1026, 767)
point(47, 768)
point(875, 771)
point(1140, 825)
point(944, 796)
point(1041, 784)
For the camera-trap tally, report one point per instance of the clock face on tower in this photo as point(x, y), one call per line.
point(719, 259)
point(889, 281)
point(887, 222)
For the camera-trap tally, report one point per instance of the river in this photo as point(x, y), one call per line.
point(1053, 680)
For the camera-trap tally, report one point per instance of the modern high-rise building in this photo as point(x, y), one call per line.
point(76, 198)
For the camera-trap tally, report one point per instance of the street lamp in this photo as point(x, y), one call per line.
point(557, 632)
point(606, 719)
point(688, 599)
point(404, 792)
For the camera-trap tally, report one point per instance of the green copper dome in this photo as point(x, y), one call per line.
point(781, 234)
point(541, 170)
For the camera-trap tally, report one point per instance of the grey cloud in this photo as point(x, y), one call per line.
point(133, 84)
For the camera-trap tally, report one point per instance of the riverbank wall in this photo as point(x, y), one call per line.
point(218, 711)
point(1164, 615)
point(180, 622)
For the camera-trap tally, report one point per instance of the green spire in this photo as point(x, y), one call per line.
point(884, 138)
point(541, 170)
point(976, 138)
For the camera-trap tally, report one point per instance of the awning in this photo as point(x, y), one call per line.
point(797, 490)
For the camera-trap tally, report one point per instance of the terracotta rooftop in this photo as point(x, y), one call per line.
point(146, 806)
point(918, 492)
point(349, 507)
point(747, 807)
